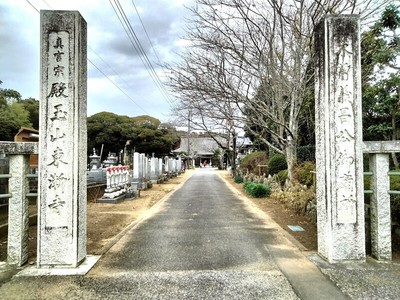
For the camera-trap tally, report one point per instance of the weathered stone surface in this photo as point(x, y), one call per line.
point(135, 165)
point(381, 146)
point(381, 240)
point(166, 164)
point(153, 169)
point(19, 148)
point(379, 151)
point(338, 131)
point(142, 169)
point(63, 140)
point(160, 167)
point(18, 211)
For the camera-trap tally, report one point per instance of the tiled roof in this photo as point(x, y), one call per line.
point(199, 145)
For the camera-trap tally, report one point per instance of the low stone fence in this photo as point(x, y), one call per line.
point(18, 226)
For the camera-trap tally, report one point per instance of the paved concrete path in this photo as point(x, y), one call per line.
point(203, 242)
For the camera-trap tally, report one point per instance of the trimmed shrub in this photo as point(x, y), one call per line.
point(282, 176)
point(247, 184)
point(304, 173)
point(257, 190)
point(238, 179)
point(277, 163)
point(252, 160)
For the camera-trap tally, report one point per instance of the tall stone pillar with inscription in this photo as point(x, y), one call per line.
point(340, 198)
point(63, 140)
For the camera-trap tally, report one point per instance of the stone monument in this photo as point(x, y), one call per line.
point(62, 145)
point(340, 190)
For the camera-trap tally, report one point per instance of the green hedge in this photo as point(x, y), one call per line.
point(257, 190)
point(277, 163)
point(238, 179)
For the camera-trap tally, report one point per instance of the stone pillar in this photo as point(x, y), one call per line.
point(153, 169)
point(147, 168)
point(171, 166)
point(136, 164)
point(174, 166)
point(160, 170)
point(156, 168)
point(142, 170)
point(166, 166)
point(180, 165)
point(381, 240)
point(340, 191)
point(160, 167)
point(18, 207)
point(63, 140)
point(18, 211)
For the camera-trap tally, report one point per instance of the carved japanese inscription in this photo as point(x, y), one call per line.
point(342, 68)
point(63, 139)
point(58, 158)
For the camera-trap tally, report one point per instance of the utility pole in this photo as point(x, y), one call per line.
point(188, 135)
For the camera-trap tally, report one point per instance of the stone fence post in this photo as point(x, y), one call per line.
point(379, 156)
point(18, 205)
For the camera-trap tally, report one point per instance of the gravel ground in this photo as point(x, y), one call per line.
point(154, 285)
point(369, 280)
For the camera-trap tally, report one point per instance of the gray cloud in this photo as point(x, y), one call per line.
point(108, 47)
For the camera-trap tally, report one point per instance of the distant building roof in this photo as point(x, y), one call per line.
point(242, 141)
point(27, 135)
point(199, 146)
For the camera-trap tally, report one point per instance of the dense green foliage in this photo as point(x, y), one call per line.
point(143, 134)
point(238, 179)
point(31, 105)
point(256, 190)
point(380, 47)
point(277, 163)
point(16, 113)
point(252, 160)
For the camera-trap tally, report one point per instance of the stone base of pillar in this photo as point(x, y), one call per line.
point(80, 270)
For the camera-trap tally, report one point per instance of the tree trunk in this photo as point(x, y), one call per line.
point(291, 158)
point(234, 154)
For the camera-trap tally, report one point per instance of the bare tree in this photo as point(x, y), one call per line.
point(249, 64)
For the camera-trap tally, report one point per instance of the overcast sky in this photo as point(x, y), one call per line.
point(109, 49)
